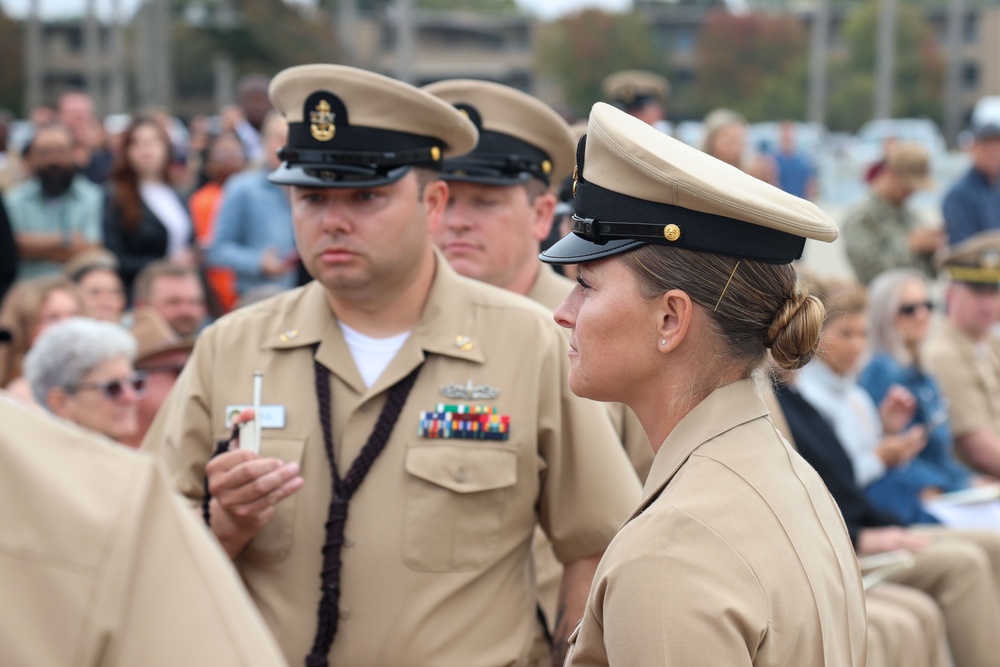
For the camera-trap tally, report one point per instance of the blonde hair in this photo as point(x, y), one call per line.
point(752, 307)
point(19, 315)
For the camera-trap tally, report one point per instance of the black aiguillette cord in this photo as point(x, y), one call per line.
point(343, 489)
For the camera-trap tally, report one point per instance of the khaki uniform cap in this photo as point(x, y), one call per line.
point(517, 117)
point(635, 185)
point(975, 260)
point(630, 86)
point(352, 128)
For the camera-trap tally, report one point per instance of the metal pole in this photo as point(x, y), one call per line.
point(116, 97)
point(885, 52)
point(405, 31)
point(818, 47)
point(92, 51)
point(953, 102)
point(347, 29)
point(34, 64)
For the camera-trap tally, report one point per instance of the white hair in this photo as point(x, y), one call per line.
point(885, 296)
point(66, 352)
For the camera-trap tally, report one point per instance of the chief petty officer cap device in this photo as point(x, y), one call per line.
point(350, 128)
point(635, 185)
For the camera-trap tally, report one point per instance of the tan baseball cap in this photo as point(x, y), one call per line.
point(634, 88)
point(520, 137)
point(636, 185)
point(351, 128)
point(975, 260)
point(910, 162)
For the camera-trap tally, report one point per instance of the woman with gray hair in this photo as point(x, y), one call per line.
point(81, 370)
point(900, 317)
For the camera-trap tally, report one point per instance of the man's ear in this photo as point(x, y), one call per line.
point(544, 207)
point(435, 199)
point(676, 312)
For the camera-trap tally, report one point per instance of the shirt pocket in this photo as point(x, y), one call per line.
point(274, 541)
point(456, 499)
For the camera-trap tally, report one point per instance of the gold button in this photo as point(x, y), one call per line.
point(461, 476)
point(348, 542)
point(435, 153)
point(546, 167)
point(671, 232)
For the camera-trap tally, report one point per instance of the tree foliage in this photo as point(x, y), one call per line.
point(918, 73)
point(579, 50)
point(753, 63)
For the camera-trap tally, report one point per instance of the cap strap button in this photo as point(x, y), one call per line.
point(671, 232)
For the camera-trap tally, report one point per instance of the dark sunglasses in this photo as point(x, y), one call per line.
point(115, 389)
point(909, 309)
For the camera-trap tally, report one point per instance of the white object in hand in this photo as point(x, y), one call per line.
point(250, 430)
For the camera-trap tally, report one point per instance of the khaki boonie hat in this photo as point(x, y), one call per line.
point(352, 128)
point(911, 163)
point(155, 336)
point(636, 185)
point(634, 88)
point(89, 260)
point(975, 260)
point(520, 137)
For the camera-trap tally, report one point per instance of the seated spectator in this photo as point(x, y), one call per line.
point(175, 292)
point(91, 154)
point(95, 273)
point(253, 231)
point(81, 370)
point(881, 446)
point(161, 356)
point(225, 158)
point(964, 354)
point(144, 218)
point(972, 204)
point(726, 139)
point(900, 317)
point(882, 232)
point(55, 214)
point(28, 310)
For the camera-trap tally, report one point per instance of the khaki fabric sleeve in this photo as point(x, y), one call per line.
point(171, 595)
point(588, 485)
point(968, 409)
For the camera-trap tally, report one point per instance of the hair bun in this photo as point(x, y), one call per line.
point(794, 331)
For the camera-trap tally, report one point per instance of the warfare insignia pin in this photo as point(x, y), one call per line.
point(321, 122)
point(469, 391)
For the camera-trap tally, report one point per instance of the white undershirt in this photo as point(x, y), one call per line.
point(372, 355)
point(167, 207)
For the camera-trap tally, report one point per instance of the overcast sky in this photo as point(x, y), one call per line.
point(56, 8)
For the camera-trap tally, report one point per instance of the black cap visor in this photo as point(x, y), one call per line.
point(335, 176)
point(574, 249)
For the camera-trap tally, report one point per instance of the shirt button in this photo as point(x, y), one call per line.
point(344, 614)
point(348, 542)
point(461, 476)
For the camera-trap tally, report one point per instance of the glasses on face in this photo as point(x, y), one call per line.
point(115, 389)
point(910, 309)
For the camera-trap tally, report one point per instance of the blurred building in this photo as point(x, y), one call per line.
point(66, 65)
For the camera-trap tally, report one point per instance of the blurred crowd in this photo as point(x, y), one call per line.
point(121, 239)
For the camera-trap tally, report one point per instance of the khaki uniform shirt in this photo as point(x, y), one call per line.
point(101, 565)
point(436, 564)
point(969, 375)
point(736, 556)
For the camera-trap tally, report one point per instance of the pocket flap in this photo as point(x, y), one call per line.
point(463, 468)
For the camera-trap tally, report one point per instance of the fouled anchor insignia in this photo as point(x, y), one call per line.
point(469, 391)
point(321, 122)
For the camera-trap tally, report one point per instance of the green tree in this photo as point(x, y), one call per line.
point(12, 56)
point(919, 68)
point(753, 63)
point(578, 51)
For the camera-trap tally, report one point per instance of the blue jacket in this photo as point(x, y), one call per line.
point(971, 206)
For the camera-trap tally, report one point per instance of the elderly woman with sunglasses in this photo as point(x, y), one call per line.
point(900, 318)
point(81, 370)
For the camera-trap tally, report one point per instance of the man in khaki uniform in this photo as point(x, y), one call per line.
point(500, 208)
point(100, 564)
point(964, 354)
point(436, 407)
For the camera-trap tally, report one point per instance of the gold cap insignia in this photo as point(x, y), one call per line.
point(321, 122)
point(435, 153)
point(576, 174)
point(671, 232)
point(546, 167)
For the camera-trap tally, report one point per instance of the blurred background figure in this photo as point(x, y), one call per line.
point(10, 159)
point(247, 118)
point(725, 139)
point(796, 172)
point(56, 213)
point(883, 232)
point(972, 205)
point(90, 151)
point(8, 253)
point(81, 370)
point(175, 292)
point(253, 229)
point(225, 158)
point(28, 310)
point(641, 94)
point(144, 218)
point(161, 356)
point(95, 274)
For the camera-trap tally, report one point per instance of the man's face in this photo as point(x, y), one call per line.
point(986, 157)
point(76, 110)
point(161, 375)
point(255, 104)
point(180, 300)
point(491, 232)
point(973, 308)
point(52, 147)
point(364, 241)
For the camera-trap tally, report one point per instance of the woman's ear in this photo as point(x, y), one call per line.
point(675, 315)
point(58, 400)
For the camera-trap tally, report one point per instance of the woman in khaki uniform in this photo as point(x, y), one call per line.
point(737, 555)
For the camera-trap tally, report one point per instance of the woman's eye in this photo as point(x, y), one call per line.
point(582, 282)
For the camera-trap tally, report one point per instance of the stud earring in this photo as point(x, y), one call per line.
point(663, 341)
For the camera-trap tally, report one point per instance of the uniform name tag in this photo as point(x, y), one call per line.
point(271, 416)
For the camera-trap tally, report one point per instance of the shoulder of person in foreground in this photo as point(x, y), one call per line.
point(103, 565)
